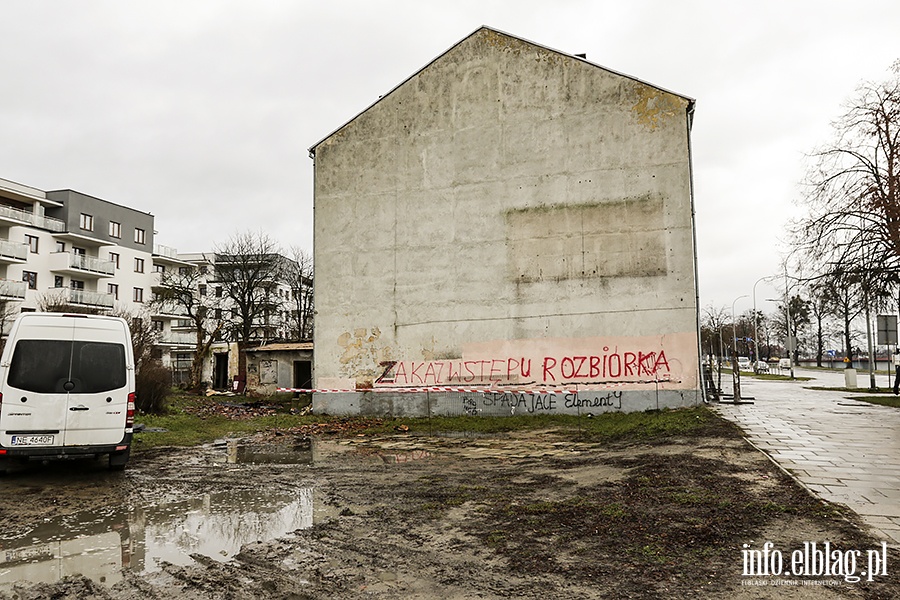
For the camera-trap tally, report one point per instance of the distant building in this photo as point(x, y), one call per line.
point(67, 249)
point(509, 217)
point(273, 321)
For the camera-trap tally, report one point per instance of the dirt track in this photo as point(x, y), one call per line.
point(533, 515)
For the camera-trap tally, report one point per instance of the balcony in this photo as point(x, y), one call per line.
point(12, 290)
point(170, 310)
point(177, 338)
point(79, 265)
point(166, 255)
point(13, 252)
point(64, 295)
point(15, 216)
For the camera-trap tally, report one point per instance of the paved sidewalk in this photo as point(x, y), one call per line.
point(844, 450)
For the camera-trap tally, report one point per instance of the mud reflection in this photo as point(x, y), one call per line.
point(298, 453)
point(99, 544)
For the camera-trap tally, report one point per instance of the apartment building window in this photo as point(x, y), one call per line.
point(30, 277)
point(60, 246)
point(114, 257)
point(115, 229)
point(139, 236)
point(158, 325)
point(218, 314)
point(78, 251)
point(76, 285)
point(219, 292)
point(58, 281)
point(32, 243)
point(137, 295)
point(113, 290)
point(202, 289)
point(139, 265)
point(159, 268)
point(86, 222)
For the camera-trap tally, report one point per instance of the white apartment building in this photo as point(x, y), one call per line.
point(65, 248)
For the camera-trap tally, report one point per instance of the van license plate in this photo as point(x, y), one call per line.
point(32, 440)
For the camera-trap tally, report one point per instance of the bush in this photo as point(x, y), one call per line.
point(153, 383)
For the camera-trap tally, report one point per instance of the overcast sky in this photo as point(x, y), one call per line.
point(201, 112)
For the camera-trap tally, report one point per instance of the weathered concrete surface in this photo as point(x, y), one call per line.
point(504, 192)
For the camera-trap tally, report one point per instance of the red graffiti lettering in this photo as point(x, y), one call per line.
point(631, 367)
point(549, 363)
point(660, 361)
point(615, 365)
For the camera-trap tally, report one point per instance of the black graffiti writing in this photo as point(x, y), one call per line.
point(613, 399)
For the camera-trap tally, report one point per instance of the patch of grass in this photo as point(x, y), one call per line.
point(186, 424)
point(892, 401)
point(193, 420)
point(641, 426)
point(777, 377)
point(846, 389)
point(183, 429)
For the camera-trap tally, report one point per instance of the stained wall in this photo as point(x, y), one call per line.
point(507, 203)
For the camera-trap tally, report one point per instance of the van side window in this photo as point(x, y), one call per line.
point(42, 366)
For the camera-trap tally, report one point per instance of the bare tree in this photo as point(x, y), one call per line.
point(249, 266)
point(179, 293)
point(8, 313)
point(143, 337)
point(300, 277)
point(853, 191)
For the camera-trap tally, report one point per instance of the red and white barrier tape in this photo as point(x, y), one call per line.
point(419, 390)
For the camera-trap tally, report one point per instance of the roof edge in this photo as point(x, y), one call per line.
point(691, 101)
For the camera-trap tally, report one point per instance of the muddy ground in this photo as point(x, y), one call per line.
point(529, 515)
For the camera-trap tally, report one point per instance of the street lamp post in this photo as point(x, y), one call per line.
point(735, 370)
point(756, 322)
point(791, 341)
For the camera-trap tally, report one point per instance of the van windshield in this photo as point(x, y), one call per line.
point(45, 366)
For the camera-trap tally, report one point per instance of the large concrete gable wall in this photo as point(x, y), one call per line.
point(505, 192)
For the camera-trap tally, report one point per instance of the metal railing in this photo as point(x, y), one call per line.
point(166, 251)
point(83, 297)
point(18, 250)
point(178, 338)
point(90, 264)
point(54, 225)
point(12, 289)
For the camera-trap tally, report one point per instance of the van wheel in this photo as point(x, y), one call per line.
point(118, 460)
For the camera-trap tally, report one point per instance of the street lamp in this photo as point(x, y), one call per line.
point(756, 322)
point(734, 326)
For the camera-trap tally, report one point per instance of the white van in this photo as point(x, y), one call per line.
point(67, 389)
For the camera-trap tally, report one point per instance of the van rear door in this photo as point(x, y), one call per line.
point(34, 410)
point(98, 394)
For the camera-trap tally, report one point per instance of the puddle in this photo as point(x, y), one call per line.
point(471, 435)
point(403, 457)
point(300, 452)
point(99, 544)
